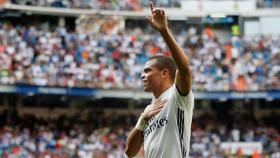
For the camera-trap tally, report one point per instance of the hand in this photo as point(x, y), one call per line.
point(153, 109)
point(158, 19)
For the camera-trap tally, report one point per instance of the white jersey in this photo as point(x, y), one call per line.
point(167, 134)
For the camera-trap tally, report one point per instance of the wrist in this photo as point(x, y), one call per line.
point(141, 124)
point(164, 30)
point(144, 117)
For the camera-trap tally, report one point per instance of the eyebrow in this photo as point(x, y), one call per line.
point(147, 69)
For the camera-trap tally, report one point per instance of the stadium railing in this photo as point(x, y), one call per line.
point(135, 94)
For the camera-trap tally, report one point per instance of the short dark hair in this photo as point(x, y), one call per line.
point(164, 62)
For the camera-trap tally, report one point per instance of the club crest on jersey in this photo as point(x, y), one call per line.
point(153, 125)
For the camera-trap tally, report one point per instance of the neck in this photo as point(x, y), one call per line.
point(161, 90)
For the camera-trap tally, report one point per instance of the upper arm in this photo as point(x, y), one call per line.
point(183, 82)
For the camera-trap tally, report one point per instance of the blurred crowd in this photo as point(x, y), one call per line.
point(208, 132)
point(133, 5)
point(115, 59)
point(91, 136)
point(268, 3)
point(99, 136)
point(84, 4)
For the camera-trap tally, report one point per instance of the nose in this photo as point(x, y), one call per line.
point(142, 75)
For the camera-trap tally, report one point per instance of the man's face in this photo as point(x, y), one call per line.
point(151, 76)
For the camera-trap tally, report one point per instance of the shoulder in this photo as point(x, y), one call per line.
point(147, 107)
point(176, 92)
point(185, 102)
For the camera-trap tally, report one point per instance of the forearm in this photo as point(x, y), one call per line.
point(178, 54)
point(134, 142)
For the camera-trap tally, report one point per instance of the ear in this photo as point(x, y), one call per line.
point(165, 72)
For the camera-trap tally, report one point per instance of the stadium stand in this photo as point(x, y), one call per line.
point(71, 59)
point(27, 136)
point(268, 3)
point(88, 4)
point(133, 5)
point(41, 62)
point(118, 5)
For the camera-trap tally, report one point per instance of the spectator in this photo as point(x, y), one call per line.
point(105, 135)
point(29, 55)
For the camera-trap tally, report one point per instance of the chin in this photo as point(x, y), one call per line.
point(146, 89)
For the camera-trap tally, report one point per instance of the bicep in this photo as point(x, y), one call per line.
point(183, 82)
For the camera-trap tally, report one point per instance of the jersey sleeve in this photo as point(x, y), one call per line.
point(185, 103)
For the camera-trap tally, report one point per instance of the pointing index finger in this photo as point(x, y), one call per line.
point(152, 6)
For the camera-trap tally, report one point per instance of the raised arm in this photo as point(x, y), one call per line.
point(158, 20)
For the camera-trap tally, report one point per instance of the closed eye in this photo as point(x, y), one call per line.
point(146, 70)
